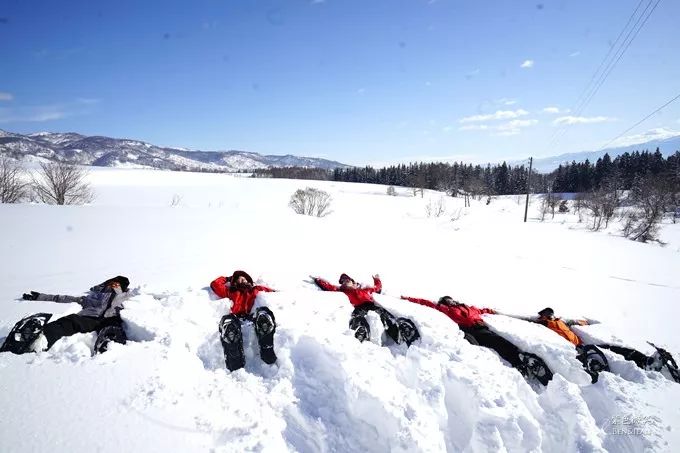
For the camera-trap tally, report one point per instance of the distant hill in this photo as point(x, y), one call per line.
point(113, 152)
point(667, 147)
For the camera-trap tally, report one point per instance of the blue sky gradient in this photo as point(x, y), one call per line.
point(362, 82)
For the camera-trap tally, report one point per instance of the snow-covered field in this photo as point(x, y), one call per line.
point(168, 389)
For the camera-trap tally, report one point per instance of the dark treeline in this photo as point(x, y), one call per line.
point(501, 179)
point(497, 179)
point(623, 171)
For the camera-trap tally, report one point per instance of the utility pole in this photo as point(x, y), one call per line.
point(526, 205)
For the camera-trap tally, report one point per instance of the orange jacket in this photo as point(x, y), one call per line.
point(562, 329)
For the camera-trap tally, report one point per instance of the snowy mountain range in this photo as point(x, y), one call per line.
point(112, 152)
point(667, 146)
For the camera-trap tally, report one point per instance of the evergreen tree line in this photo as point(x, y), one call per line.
point(503, 179)
point(622, 172)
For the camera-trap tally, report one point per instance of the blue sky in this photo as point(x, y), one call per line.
point(362, 82)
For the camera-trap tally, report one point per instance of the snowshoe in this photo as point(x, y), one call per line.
point(265, 326)
point(362, 331)
point(534, 367)
point(24, 333)
point(662, 358)
point(232, 342)
point(390, 324)
point(593, 360)
point(108, 334)
point(407, 331)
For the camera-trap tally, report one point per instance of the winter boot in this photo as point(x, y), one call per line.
point(362, 331)
point(662, 358)
point(593, 360)
point(24, 333)
point(265, 326)
point(108, 334)
point(232, 342)
point(407, 331)
point(535, 367)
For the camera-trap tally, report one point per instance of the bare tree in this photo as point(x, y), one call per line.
point(13, 185)
point(61, 183)
point(311, 201)
point(602, 205)
point(651, 198)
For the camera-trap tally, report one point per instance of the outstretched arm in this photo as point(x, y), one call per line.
point(34, 295)
point(220, 286)
point(415, 300)
point(325, 285)
point(578, 322)
point(377, 284)
point(266, 289)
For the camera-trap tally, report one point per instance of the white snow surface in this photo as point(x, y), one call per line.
point(168, 389)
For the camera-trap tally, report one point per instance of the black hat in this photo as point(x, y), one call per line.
point(243, 274)
point(547, 312)
point(344, 277)
point(122, 281)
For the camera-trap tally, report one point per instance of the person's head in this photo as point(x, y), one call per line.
point(241, 280)
point(448, 301)
point(118, 284)
point(547, 314)
point(346, 281)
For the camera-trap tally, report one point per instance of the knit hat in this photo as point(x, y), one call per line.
point(243, 274)
point(344, 277)
point(446, 300)
point(547, 312)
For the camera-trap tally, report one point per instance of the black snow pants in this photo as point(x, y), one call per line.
point(480, 335)
point(72, 324)
point(388, 320)
point(628, 353)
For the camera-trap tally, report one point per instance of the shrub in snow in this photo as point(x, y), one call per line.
point(60, 183)
point(435, 208)
point(12, 181)
point(391, 191)
point(311, 201)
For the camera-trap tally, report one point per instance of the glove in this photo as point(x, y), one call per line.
point(32, 296)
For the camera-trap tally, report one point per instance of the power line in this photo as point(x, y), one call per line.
point(591, 91)
point(639, 122)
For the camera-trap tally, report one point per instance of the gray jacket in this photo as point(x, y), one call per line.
point(98, 302)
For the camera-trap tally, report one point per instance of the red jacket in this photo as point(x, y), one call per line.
point(357, 296)
point(463, 315)
point(241, 301)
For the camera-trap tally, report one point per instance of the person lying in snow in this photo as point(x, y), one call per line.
point(476, 332)
point(361, 297)
point(239, 288)
point(100, 313)
point(590, 353)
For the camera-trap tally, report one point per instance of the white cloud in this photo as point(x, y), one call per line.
point(551, 110)
point(659, 133)
point(575, 54)
point(507, 101)
point(513, 127)
point(474, 127)
point(527, 64)
point(361, 90)
point(6, 96)
point(570, 120)
point(498, 115)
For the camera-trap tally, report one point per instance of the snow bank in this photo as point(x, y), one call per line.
point(168, 389)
